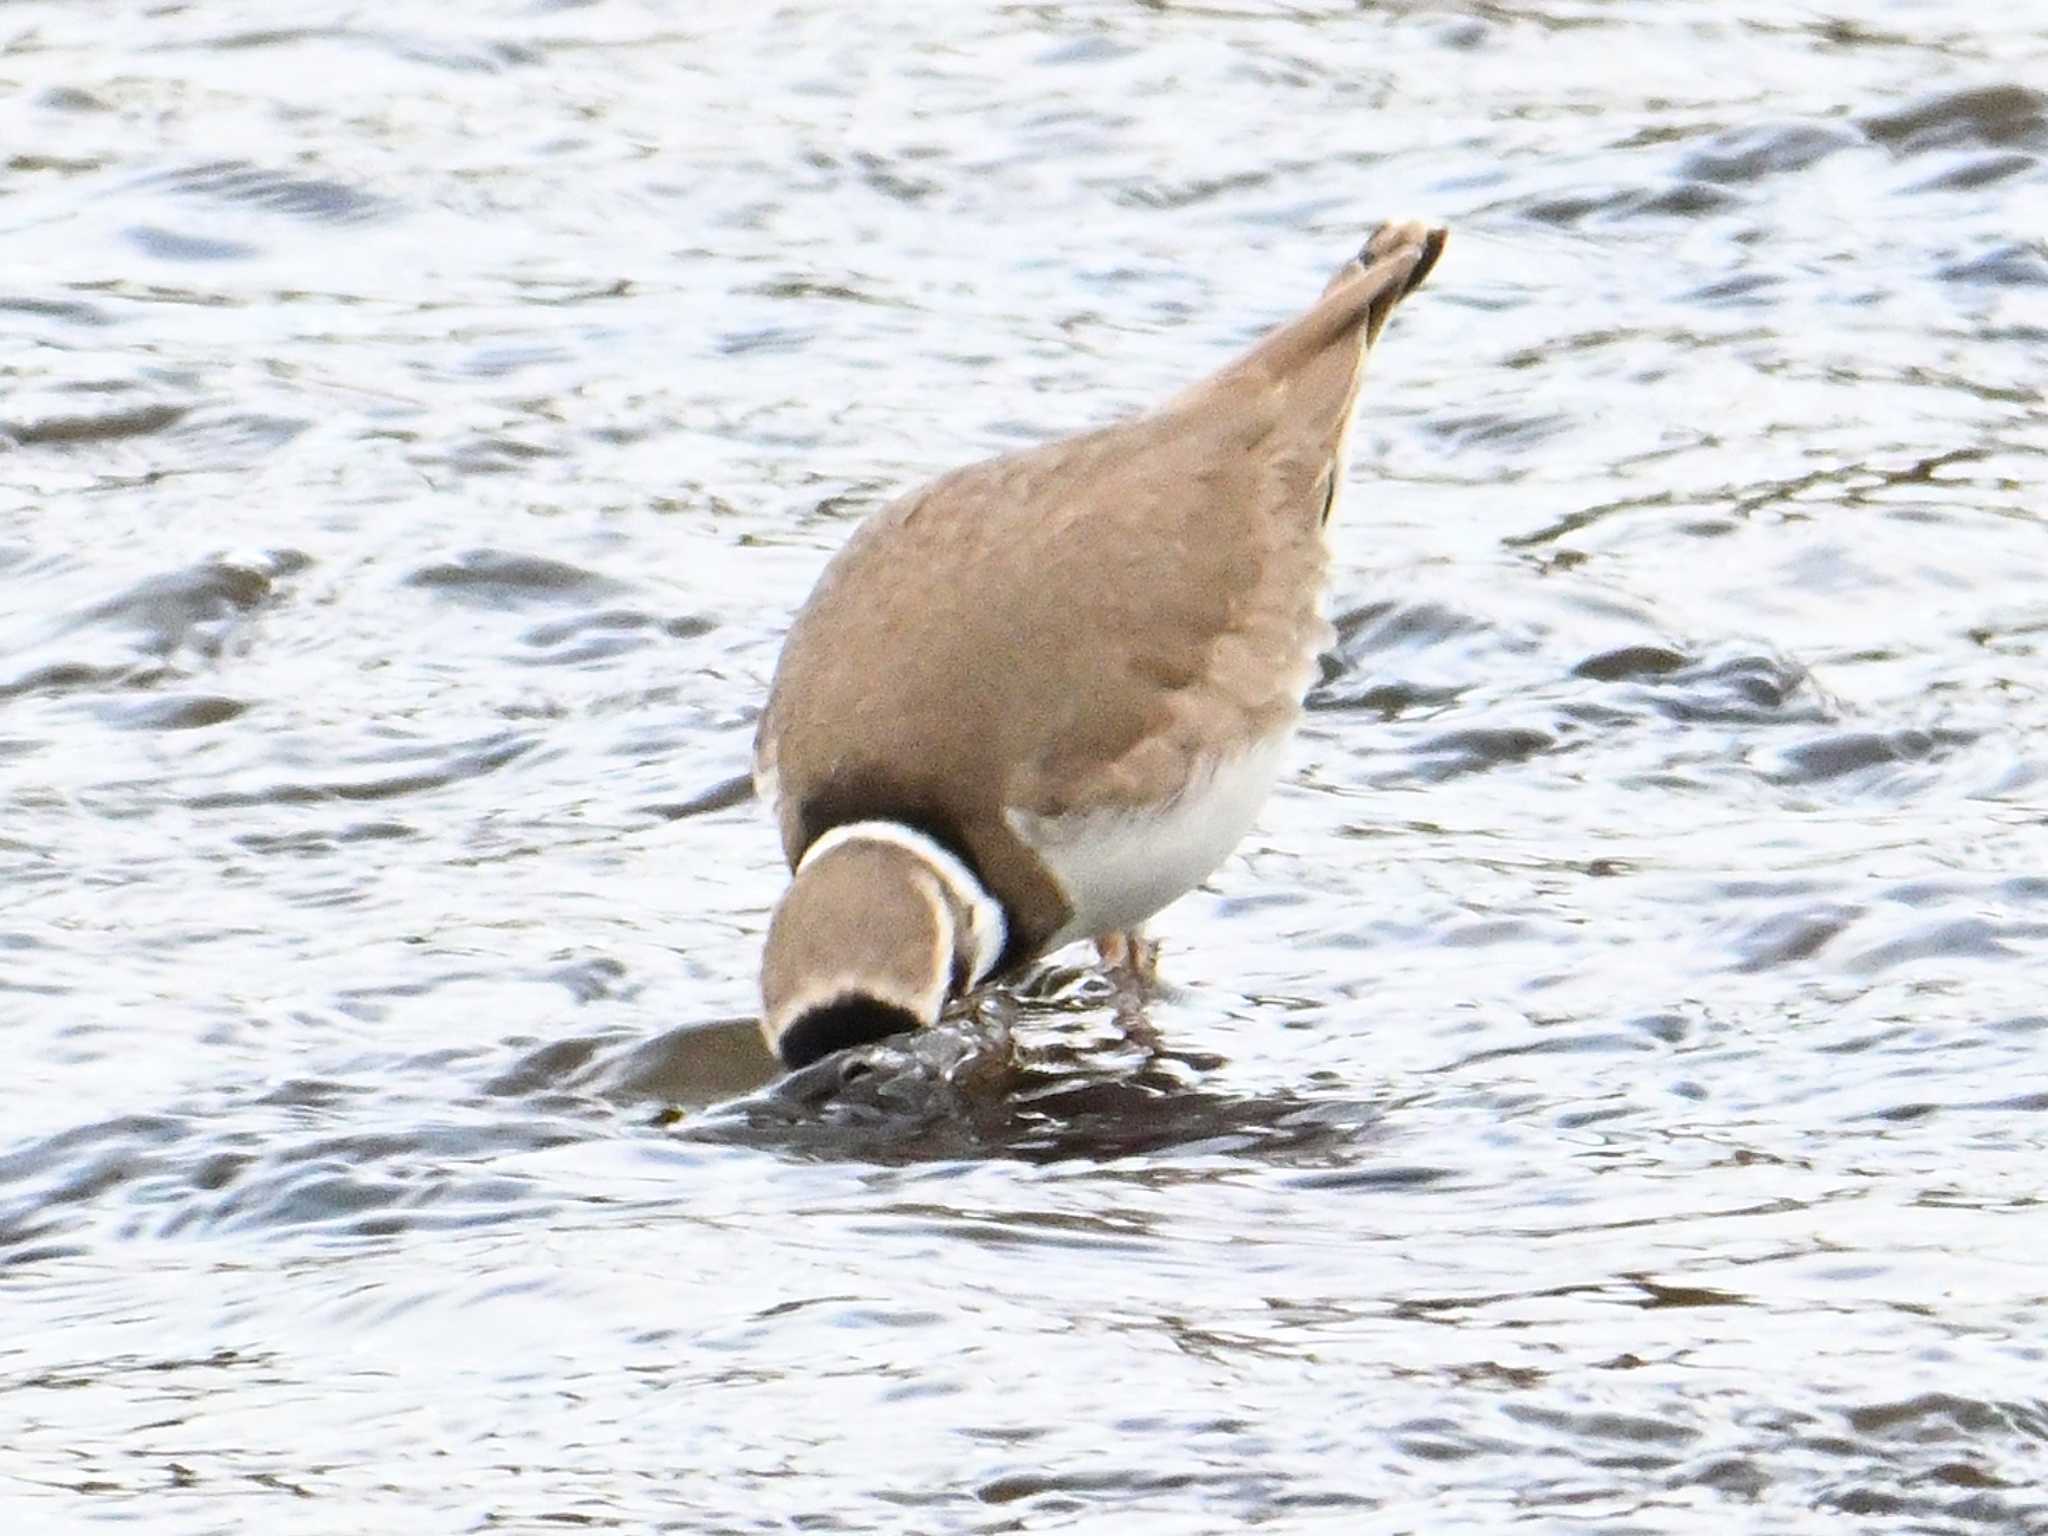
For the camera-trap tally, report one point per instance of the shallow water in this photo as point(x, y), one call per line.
point(1609, 1090)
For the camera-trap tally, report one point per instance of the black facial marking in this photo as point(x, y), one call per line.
point(837, 1025)
point(871, 799)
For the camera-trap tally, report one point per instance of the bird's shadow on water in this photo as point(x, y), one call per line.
point(1059, 1070)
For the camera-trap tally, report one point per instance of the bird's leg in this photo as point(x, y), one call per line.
point(1132, 961)
point(1129, 955)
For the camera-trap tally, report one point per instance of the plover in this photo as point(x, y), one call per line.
point(1045, 695)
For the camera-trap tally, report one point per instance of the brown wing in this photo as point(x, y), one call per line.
point(1076, 626)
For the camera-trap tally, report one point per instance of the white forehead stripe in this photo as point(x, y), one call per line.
point(987, 929)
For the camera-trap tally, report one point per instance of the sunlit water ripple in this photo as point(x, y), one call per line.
point(1607, 1092)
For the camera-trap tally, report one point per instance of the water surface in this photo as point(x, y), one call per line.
point(1606, 1093)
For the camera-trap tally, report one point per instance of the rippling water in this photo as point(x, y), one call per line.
point(1608, 1092)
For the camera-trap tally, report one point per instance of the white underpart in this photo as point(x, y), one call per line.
point(1117, 868)
point(987, 930)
